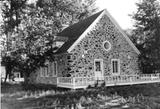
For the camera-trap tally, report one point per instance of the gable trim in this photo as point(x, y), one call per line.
point(85, 32)
point(121, 31)
point(92, 27)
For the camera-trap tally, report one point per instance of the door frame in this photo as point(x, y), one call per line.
point(101, 65)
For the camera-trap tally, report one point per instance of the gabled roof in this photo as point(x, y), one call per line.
point(78, 31)
point(66, 46)
point(74, 31)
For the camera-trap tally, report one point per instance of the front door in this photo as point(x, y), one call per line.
point(98, 69)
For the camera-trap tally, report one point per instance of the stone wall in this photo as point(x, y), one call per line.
point(63, 65)
point(91, 47)
point(80, 62)
point(36, 78)
point(62, 71)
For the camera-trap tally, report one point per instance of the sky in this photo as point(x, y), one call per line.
point(119, 10)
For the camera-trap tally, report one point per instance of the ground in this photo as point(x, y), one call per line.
point(146, 96)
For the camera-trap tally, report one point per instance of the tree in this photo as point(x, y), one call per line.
point(67, 11)
point(35, 36)
point(11, 11)
point(147, 34)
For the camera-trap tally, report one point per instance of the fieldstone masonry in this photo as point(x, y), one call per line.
point(80, 61)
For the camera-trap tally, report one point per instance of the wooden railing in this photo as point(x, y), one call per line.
point(74, 82)
point(132, 79)
point(84, 80)
point(65, 80)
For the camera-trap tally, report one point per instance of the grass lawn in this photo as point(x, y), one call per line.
point(146, 96)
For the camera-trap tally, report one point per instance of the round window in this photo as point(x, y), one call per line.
point(107, 45)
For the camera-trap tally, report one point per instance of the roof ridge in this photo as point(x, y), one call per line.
point(87, 21)
point(74, 31)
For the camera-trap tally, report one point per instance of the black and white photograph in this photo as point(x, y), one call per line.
point(80, 54)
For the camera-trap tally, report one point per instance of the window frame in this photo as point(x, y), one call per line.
point(118, 65)
point(109, 45)
point(41, 72)
point(55, 69)
point(46, 70)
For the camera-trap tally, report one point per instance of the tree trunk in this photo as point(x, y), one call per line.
point(8, 73)
point(6, 66)
point(5, 80)
point(25, 77)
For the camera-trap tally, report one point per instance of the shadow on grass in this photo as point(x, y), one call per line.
point(132, 90)
point(64, 96)
point(13, 88)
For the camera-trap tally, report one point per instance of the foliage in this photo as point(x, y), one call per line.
point(147, 34)
point(37, 26)
point(11, 11)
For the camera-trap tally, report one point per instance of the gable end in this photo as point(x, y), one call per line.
point(121, 31)
point(91, 27)
point(85, 32)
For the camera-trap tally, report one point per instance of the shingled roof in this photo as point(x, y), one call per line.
point(74, 31)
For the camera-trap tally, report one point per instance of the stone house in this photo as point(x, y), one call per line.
point(93, 48)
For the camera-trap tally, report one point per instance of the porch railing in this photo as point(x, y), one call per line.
point(132, 78)
point(65, 80)
point(75, 81)
point(109, 80)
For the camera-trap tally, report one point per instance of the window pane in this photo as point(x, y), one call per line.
point(98, 66)
point(54, 69)
point(44, 71)
point(47, 70)
point(114, 71)
point(51, 69)
point(115, 66)
point(41, 72)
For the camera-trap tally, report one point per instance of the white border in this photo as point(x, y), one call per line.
point(119, 68)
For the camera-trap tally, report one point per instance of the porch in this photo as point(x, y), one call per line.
point(84, 82)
